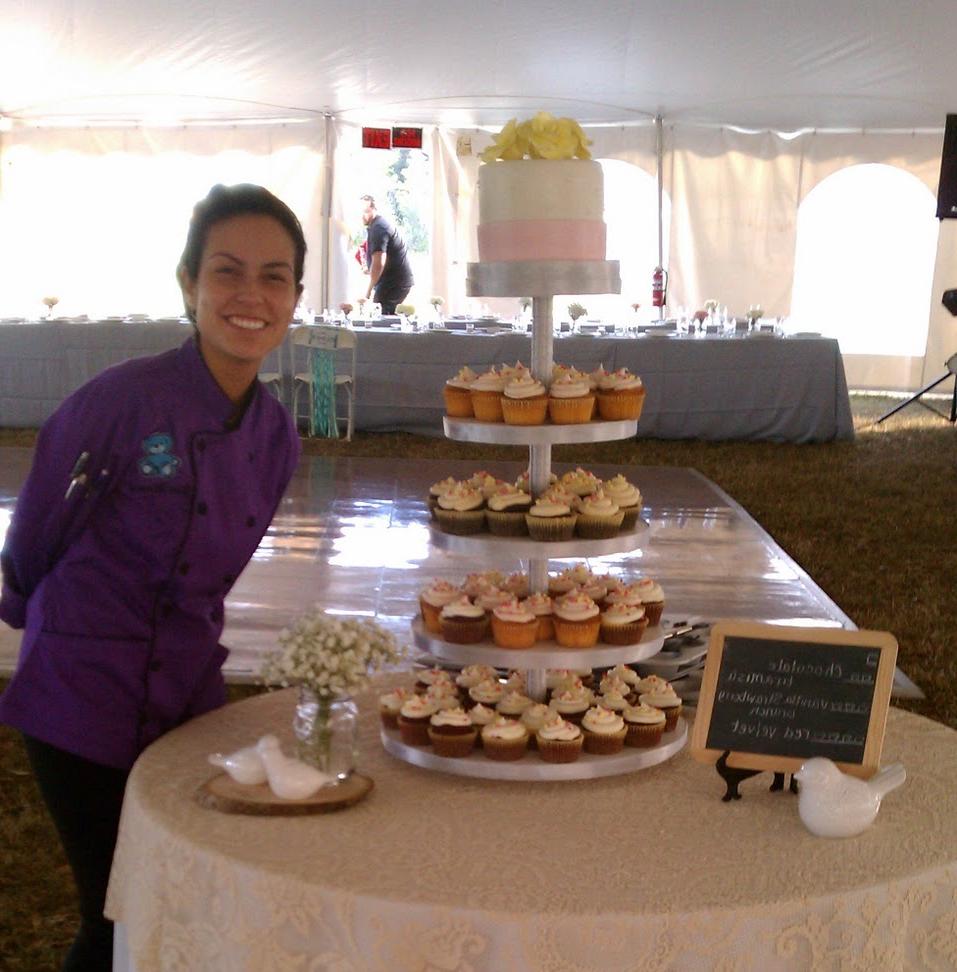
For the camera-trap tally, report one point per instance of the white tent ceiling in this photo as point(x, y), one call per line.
point(751, 63)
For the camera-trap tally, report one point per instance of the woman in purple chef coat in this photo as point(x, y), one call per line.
point(151, 488)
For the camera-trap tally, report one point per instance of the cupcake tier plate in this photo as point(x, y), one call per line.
point(549, 655)
point(531, 767)
point(526, 547)
point(471, 430)
point(542, 278)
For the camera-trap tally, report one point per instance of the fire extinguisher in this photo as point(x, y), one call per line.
point(659, 287)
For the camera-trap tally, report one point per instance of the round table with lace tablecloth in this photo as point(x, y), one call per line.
point(433, 871)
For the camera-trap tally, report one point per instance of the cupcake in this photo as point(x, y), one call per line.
point(525, 401)
point(505, 512)
point(621, 395)
point(623, 624)
point(443, 695)
point(461, 511)
point(516, 584)
point(581, 482)
point(627, 497)
point(572, 703)
point(533, 718)
point(562, 583)
point(493, 597)
point(488, 485)
point(570, 402)
point(481, 716)
point(541, 606)
point(513, 625)
point(598, 517)
point(390, 704)
point(437, 489)
point(512, 372)
point(480, 581)
point(668, 701)
point(425, 678)
point(651, 683)
point(559, 741)
point(487, 391)
point(523, 481)
point(550, 521)
point(414, 716)
point(488, 693)
point(513, 704)
point(561, 679)
point(504, 739)
point(452, 733)
point(463, 623)
point(625, 594)
point(515, 681)
point(611, 684)
point(577, 621)
point(604, 731)
point(645, 725)
point(457, 394)
point(627, 675)
point(470, 676)
point(614, 701)
point(652, 599)
point(432, 599)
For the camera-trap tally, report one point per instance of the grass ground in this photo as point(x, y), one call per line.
point(872, 521)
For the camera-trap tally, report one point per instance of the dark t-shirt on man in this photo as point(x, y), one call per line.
point(384, 238)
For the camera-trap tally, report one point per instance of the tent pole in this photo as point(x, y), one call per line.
point(659, 156)
point(330, 140)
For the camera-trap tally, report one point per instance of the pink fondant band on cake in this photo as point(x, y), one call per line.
point(542, 239)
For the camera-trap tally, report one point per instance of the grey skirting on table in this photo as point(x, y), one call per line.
point(763, 388)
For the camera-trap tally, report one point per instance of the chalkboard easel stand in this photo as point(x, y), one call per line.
point(733, 776)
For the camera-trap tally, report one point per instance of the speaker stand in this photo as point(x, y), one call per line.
point(951, 372)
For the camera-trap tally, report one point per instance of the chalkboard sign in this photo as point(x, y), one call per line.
point(774, 696)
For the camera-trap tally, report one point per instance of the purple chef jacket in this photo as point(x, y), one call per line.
point(120, 587)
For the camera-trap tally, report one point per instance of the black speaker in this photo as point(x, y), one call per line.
point(949, 300)
point(947, 187)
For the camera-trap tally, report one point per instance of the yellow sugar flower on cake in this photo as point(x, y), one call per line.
point(541, 137)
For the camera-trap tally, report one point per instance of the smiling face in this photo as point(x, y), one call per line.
point(243, 297)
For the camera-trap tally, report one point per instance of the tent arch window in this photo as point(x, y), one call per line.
point(864, 260)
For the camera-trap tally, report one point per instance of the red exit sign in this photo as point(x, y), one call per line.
point(378, 138)
point(407, 138)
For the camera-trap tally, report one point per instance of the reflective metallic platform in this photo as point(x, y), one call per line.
point(353, 536)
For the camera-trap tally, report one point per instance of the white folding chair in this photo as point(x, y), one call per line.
point(273, 379)
point(327, 338)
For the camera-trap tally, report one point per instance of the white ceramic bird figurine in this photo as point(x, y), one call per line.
point(289, 779)
point(244, 765)
point(833, 804)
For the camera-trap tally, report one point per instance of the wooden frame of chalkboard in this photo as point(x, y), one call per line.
point(773, 696)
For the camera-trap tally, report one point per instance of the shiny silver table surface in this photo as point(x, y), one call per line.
point(353, 535)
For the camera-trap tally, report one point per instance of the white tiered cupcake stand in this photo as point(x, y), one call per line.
point(541, 279)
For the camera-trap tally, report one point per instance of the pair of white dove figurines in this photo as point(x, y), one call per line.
point(833, 804)
point(288, 778)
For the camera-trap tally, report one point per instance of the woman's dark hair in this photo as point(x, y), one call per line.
point(224, 202)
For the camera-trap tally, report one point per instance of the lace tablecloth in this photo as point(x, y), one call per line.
point(438, 873)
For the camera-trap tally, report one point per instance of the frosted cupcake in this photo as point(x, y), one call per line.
point(610, 683)
point(523, 481)
point(487, 391)
point(432, 599)
point(550, 521)
point(559, 741)
point(628, 498)
point(457, 394)
point(425, 678)
point(481, 715)
point(414, 716)
point(627, 675)
point(452, 733)
point(623, 624)
point(493, 597)
point(513, 625)
point(515, 681)
point(525, 401)
point(516, 584)
point(572, 703)
point(443, 695)
point(570, 401)
point(480, 581)
point(461, 511)
point(438, 489)
point(541, 606)
point(645, 725)
point(463, 623)
point(598, 517)
point(614, 701)
point(580, 482)
point(389, 705)
point(668, 701)
point(505, 512)
point(621, 395)
point(513, 705)
point(652, 599)
point(604, 731)
point(577, 621)
point(488, 693)
point(504, 739)
point(472, 675)
point(562, 583)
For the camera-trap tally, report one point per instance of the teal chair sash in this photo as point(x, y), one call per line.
point(322, 421)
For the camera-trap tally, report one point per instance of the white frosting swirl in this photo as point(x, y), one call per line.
point(481, 715)
point(452, 717)
point(665, 699)
point(491, 381)
point(524, 386)
point(417, 707)
point(645, 715)
point(620, 380)
point(536, 715)
point(598, 504)
point(650, 591)
point(514, 612)
point(463, 378)
point(602, 721)
point(505, 729)
point(622, 492)
point(620, 614)
point(576, 607)
point(440, 592)
point(513, 704)
point(558, 729)
point(547, 509)
point(489, 692)
point(508, 499)
point(567, 386)
point(462, 608)
point(473, 674)
point(461, 498)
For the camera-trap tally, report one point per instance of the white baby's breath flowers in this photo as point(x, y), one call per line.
point(330, 655)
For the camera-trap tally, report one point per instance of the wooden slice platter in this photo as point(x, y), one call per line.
point(223, 793)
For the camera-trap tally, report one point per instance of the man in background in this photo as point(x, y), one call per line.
point(390, 276)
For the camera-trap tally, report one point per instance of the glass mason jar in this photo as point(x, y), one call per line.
point(327, 732)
